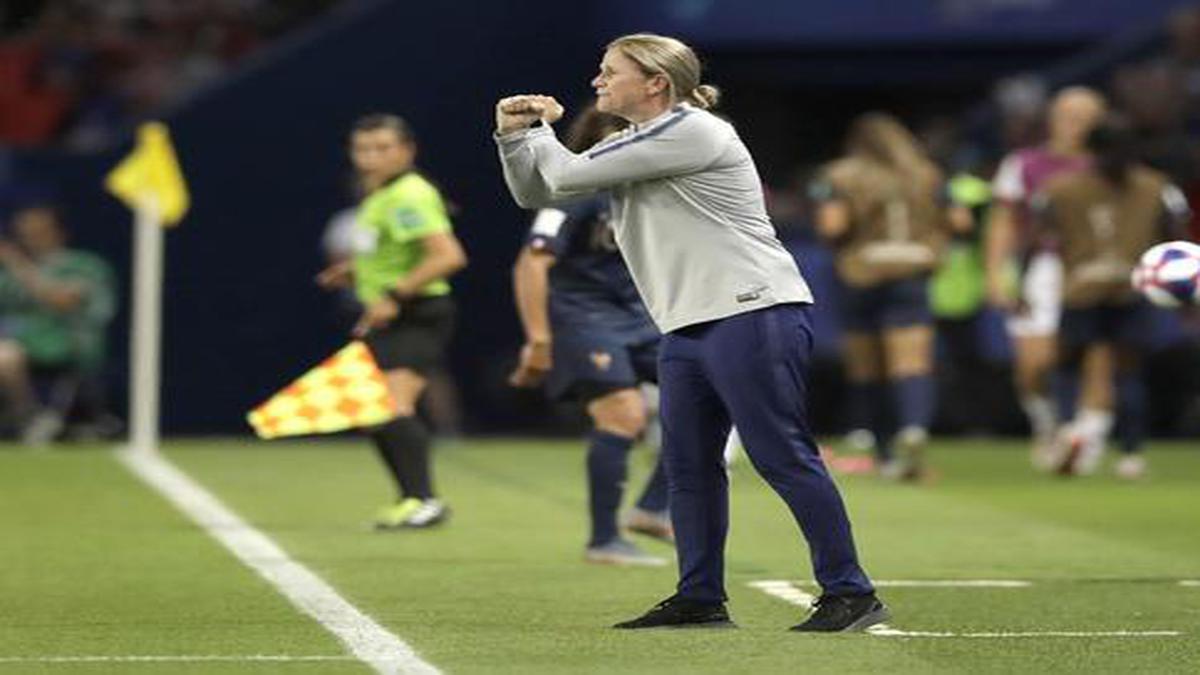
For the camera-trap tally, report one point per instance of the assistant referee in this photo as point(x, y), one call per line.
point(399, 272)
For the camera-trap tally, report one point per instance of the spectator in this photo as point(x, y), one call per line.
point(56, 303)
point(80, 71)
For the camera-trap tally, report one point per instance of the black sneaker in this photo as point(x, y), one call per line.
point(844, 614)
point(677, 612)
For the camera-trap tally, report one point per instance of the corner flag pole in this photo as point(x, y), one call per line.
point(145, 340)
point(151, 183)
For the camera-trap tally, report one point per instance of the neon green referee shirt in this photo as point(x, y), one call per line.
point(397, 216)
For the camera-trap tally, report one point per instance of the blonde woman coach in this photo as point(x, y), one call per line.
point(688, 212)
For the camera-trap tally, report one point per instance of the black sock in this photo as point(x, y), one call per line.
point(404, 444)
point(913, 399)
point(1131, 411)
point(388, 453)
point(606, 483)
point(654, 496)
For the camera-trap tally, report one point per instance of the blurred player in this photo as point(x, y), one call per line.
point(1033, 300)
point(1102, 220)
point(586, 328)
point(880, 209)
point(399, 275)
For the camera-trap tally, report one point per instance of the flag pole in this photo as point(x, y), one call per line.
point(151, 183)
point(146, 327)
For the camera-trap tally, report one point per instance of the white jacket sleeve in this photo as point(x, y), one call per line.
point(521, 172)
point(684, 142)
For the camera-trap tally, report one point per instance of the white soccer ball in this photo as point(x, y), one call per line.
point(1168, 275)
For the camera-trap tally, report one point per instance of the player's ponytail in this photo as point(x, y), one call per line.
point(1114, 146)
point(705, 96)
point(884, 141)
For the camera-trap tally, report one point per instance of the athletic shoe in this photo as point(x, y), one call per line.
point(859, 442)
point(42, 429)
point(1078, 454)
point(412, 513)
point(893, 469)
point(1067, 449)
point(392, 515)
point(677, 612)
point(909, 465)
point(621, 552)
point(432, 512)
point(1043, 454)
point(1130, 467)
point(651, 524)
point(846, 464)
point(844, 614)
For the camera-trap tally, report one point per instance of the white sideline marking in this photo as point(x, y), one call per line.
point(1195, 583)
point(366, 640)
point(946, 583)
point(173, 658)
point(786, 591)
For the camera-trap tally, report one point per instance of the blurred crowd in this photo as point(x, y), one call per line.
point(79, 72)
point(1158, 94)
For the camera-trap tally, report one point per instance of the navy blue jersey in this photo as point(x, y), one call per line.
point(590, 286)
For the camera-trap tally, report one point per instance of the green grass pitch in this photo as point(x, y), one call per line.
point(94, 563)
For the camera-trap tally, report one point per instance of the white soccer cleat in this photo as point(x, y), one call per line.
point(1077, 454)
point(622, 552)
point(1044, 453)
point(859, 442)
point(651, 524)
point(1130, 467)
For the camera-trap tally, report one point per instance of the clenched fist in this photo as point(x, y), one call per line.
point(518, 112)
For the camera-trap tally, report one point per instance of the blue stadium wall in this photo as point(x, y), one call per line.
point(264, 154)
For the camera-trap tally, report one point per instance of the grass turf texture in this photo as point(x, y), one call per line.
point(94, 564)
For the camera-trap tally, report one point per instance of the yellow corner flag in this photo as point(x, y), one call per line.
point(151, 171)
point(346, 391)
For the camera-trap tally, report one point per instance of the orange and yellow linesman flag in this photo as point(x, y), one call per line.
point(346, 391)
point(151, 171)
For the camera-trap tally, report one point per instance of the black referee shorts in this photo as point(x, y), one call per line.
point(416, 340)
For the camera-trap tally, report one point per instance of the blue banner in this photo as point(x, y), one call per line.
point(891, 22)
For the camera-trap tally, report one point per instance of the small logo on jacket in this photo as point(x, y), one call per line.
point(751, 295)
point(602, 360)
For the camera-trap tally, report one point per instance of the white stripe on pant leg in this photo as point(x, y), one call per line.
point(363, 637)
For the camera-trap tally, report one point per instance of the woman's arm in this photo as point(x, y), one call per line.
point(56, 295)
point(1177, 214)
point(681, 143)
point(833, 220)
point(531, 287)
point(521, 174)
point(514, 117)
point(999, 249)
point(443, 256)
